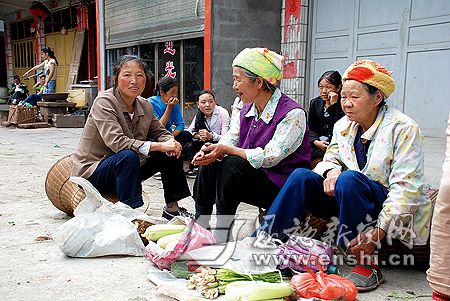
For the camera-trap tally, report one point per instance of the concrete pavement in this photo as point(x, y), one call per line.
point(38, 270)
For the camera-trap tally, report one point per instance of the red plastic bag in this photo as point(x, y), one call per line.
point(324, 286)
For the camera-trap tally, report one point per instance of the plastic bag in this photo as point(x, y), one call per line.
point(193, 237)
point(298, 252)
point(321, 285)
point(100, 227)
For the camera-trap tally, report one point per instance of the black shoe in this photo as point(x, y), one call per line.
point(181, 212)
point(191, 174)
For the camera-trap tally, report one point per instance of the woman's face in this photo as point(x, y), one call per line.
point(206, 104)
point(358, 104)
point(131, 80)
point(244, 87)
point(165, 96)
point(325, 87)
point(44, 55)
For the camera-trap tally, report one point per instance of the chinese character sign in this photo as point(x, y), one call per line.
point(171, 58)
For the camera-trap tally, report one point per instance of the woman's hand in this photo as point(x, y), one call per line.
point(333, 97)
point(205, 135)
point(173, 101)
point(209, 153)
point(330, 182)
point(170, 147)
point(322, 145)
point(366, 241)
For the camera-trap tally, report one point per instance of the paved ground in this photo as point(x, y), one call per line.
point(37, 270)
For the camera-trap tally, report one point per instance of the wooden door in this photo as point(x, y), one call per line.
point(23, 58)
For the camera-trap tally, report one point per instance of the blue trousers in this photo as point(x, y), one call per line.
point(51, 86)
point(356, 196)
point(33, 99)
point(122, 174)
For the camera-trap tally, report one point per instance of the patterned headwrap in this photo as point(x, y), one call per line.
point(262, 62)
point(371, 73)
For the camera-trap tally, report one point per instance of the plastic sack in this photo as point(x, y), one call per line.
point(298, 252)
point(100, 228)
point(193, 237)
point(321, 285)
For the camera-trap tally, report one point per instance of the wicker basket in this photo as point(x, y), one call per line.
point(63, 193)
point(20, 115)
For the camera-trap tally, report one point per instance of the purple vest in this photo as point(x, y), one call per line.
point(255, 134)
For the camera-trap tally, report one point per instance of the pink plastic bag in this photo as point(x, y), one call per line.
point(194, 237)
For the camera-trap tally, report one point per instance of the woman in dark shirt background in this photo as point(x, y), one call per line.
point(324, 111)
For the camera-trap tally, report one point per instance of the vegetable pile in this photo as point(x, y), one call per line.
point(211, 282)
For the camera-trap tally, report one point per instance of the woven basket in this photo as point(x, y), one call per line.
point(63, 193)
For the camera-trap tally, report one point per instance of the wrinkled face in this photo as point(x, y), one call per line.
point(357, 103)
point(206, 104)
point(244, 87)
point(325, 87)
point(131, 80)
point(165, 96)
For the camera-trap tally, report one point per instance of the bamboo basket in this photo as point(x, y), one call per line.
point(63, 193)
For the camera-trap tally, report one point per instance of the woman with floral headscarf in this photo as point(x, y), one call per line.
point(371, 176)
point(251, 162)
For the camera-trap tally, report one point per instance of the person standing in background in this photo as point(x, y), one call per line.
point(50, 65)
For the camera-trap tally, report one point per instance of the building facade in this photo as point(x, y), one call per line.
point(67, 27)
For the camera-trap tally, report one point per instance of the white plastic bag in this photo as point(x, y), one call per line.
point(100, 227)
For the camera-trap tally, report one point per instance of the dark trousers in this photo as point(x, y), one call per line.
point(185, 139)
point(122, 174)
point(356, 196)
point(228, 183)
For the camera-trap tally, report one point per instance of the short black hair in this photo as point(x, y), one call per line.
point(121, 61)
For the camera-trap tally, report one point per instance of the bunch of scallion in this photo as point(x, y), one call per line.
point(211, 282)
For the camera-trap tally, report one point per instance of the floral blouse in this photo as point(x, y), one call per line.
point(395, 159)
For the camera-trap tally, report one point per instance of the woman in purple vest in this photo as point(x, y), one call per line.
point(252, 161)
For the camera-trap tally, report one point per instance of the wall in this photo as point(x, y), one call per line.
point(236, 25)
point(409, 37)
point(130, 22)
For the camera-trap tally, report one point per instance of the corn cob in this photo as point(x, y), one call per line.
point(163, 241)
point(256, 291)
point(155, 232)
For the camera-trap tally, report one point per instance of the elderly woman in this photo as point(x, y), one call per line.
point(123, 143)
point(438, 274)
point(371, 176)
point(263, 146)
